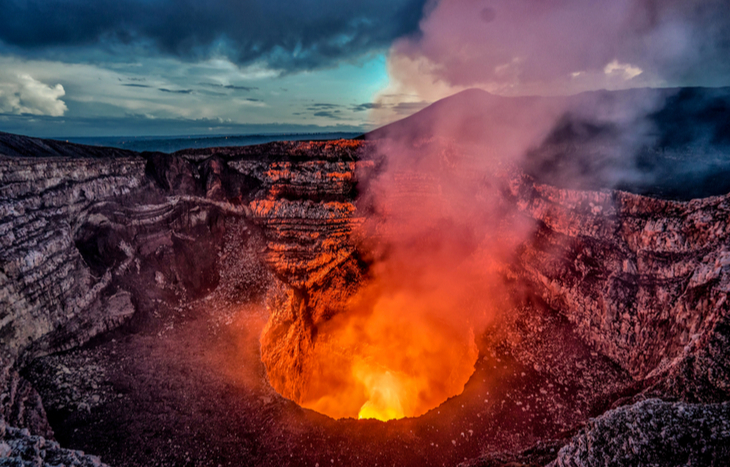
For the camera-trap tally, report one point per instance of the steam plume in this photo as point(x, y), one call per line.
point(444, 227)
point(527, 47)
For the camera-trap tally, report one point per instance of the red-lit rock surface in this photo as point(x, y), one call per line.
point(182, 254)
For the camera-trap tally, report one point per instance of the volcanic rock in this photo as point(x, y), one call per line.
point(653, 432)
point(98, 241)
point(20, 448)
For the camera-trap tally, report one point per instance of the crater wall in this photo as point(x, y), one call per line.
point(642, 281)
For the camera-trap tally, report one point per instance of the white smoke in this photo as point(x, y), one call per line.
point(558, 47)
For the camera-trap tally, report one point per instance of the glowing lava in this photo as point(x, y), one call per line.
point(396, 356)
point(384, 391)
point(391, 334)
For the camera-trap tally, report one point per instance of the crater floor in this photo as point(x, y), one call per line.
point(189, 388)
point(139, 286)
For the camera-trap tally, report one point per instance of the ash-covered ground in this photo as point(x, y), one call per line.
point(191, 390)
point(183, 384)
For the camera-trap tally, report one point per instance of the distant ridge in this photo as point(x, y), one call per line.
point(176, 143)
point(682, 151)
point(25, 146)
point(467, 108)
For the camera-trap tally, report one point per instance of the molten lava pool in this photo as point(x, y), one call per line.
point(394, 352)
point(389, 364)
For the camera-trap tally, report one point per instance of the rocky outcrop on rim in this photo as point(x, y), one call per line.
point(653, 432)
point(644, 280)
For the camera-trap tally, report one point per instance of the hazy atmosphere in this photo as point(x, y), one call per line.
point(162, 67)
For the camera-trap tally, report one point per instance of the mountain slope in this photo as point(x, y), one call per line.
point(671, 143)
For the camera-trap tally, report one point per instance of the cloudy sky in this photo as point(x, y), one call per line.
point(133, 67)
point(162, 67)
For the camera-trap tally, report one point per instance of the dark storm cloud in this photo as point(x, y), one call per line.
point(177, 91)
point(231, 87)
point(135, 85)
point(286, 35)
point(328, 114)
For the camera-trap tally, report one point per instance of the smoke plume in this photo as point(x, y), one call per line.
point(560, 47)
point(444, 227)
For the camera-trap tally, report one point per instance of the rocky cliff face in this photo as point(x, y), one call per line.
point(77, 228)
point(653, 432)
point(644, 280)
point(87, 231)
point(46, 288)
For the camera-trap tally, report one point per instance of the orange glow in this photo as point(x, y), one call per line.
point(397, 338)
point(400, 350)
point(384, 391)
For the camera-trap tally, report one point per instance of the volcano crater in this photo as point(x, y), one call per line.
point(175, 298)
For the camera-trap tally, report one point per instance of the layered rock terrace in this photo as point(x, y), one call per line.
point(642, 282)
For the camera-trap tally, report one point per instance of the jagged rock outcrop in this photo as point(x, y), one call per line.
point(19, 448)
point(650, 432)
point(644, 280)
point(307, 212)
point(653, 432)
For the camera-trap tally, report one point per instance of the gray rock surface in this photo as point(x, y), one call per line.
point(18, 448)
point(645, 281)
point(84, 231)
point(653, 433)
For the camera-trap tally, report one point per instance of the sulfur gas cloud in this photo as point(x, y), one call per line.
point(443, 229)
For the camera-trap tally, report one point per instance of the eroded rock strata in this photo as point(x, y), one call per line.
point(643, 280)
point(95, 240)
